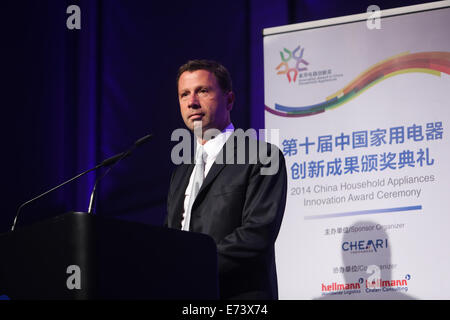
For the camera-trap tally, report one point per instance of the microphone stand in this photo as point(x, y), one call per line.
point(53, 189)
point(120, 157)
point(105, 163)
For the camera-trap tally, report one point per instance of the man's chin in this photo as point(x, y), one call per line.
point(190, 124)
point(197, 127)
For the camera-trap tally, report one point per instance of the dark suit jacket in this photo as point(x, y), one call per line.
point(242, 210)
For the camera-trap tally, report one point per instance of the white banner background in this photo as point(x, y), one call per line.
point(406, 237)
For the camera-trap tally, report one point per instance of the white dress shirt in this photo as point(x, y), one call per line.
point(211, 149)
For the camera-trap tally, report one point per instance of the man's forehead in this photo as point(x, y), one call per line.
point(196, 77)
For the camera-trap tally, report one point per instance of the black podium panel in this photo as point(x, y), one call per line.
point(112, 259)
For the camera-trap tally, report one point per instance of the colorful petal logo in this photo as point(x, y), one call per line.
point(300, 63)
point(426, 62)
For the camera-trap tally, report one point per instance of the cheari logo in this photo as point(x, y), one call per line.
point(362, 246)
point(300, 63)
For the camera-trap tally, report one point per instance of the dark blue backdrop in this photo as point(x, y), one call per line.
point(71, 98)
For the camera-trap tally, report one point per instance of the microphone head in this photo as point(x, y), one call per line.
point(120, 156)
point(143, 140)
point(113, 159)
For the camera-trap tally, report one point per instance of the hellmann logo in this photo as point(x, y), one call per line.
point(368, 286)
point(380, 283)
point(341, 288)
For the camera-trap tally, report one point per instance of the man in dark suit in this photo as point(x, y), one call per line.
point(238, 204)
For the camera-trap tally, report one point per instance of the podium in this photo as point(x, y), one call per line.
point(81, 256)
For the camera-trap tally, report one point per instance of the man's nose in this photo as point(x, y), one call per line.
point(194, 102)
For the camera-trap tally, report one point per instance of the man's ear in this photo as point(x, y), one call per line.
point(230, 100)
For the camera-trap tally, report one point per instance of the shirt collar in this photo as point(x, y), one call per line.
point(213, 146)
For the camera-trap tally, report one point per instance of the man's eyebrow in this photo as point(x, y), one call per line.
point(199, 87)
point(203, 86)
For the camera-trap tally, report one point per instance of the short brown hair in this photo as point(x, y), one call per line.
point(220, 72)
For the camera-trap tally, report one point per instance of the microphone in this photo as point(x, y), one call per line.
point(115, 160)
point(105, 163)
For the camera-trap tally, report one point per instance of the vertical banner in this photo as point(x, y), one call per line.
point(363, 107)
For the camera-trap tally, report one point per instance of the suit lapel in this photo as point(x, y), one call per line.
point(221, 160)
point(185, 173)
point(182, 182)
